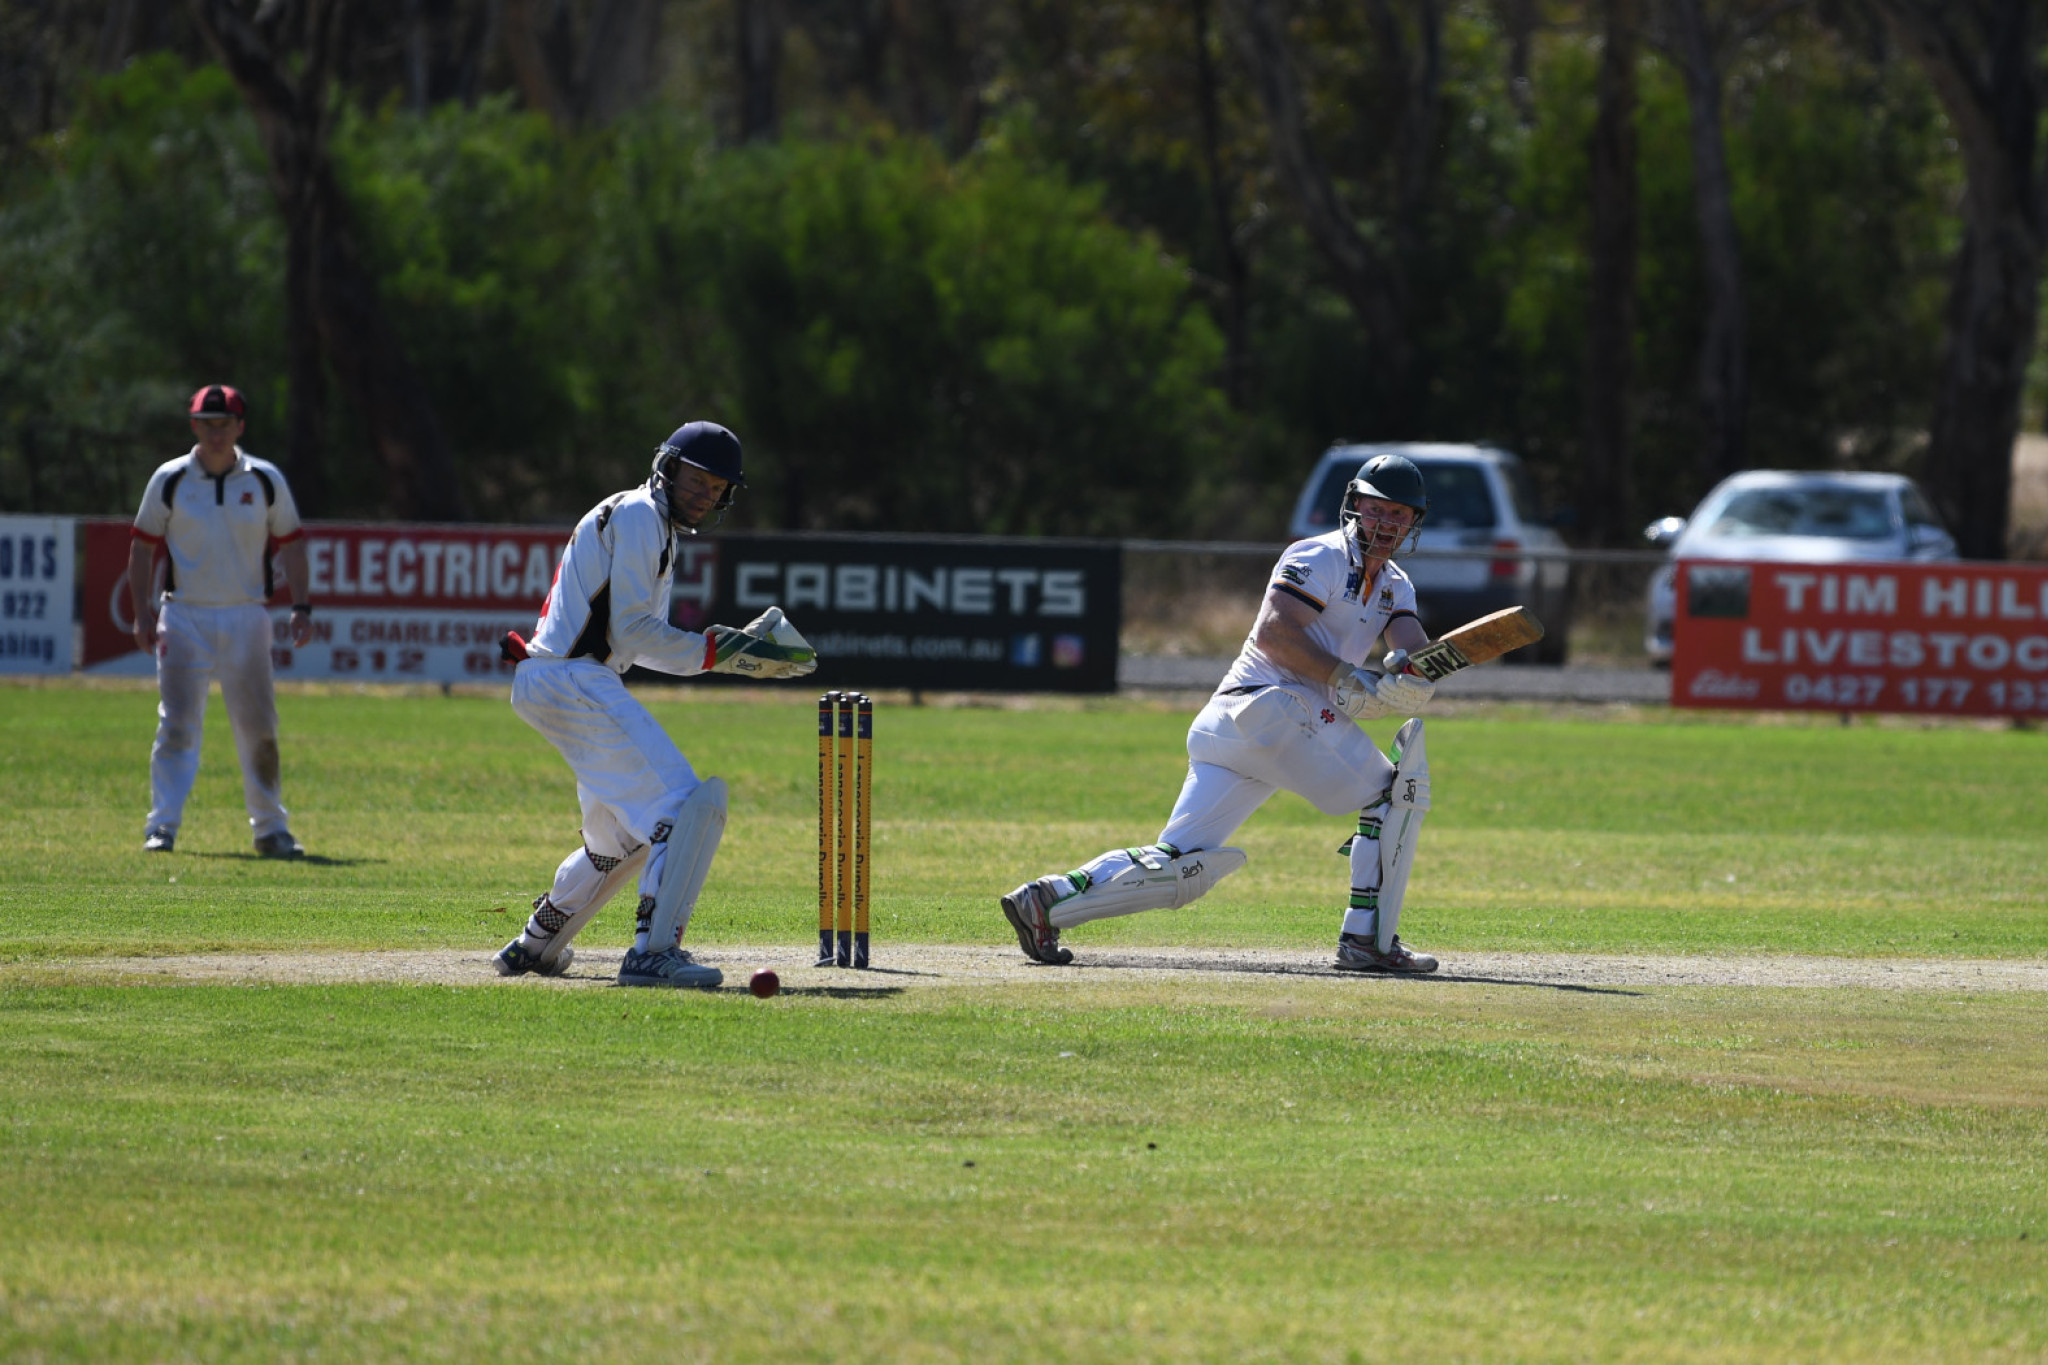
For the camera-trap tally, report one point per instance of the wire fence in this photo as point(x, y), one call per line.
point(1196, 598)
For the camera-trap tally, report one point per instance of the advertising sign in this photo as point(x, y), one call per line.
point(921, 612)
point(428, 604)
point(392, 603)
point(35, 594)
point(1941, 639)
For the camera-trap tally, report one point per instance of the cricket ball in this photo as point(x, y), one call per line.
point(765, 983)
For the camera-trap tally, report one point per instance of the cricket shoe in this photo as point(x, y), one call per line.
point(1357, 953)
point(1029, 910)
point(516, 959)
point(159, 840)
point(280, 844)
point(669, 967)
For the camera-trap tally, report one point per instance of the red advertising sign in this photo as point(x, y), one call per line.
point(1943, 639)
point(391, 603)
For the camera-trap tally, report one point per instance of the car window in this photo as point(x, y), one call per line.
point(1918, 513)
point(1322, 515)
point(1810, 510)
point(1521, 494)
point(1459, 498)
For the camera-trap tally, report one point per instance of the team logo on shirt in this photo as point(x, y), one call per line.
point(1387, 598)
point(1294, 573)
point(247, 497)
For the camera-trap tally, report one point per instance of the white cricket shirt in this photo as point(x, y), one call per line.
point(610, 598)
point(1325, 573)
point(218, 530)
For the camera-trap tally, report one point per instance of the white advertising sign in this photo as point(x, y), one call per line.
point(35, 594)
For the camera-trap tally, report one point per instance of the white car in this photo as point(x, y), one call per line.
point(1480, 501)
point(1797, 517)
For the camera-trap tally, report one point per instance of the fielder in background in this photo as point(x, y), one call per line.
point(645, 811)
point(224, 522)
point(1283, 717)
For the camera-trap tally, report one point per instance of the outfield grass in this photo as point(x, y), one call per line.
point(1221, 1168)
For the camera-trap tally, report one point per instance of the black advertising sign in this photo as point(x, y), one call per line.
point(942, 613)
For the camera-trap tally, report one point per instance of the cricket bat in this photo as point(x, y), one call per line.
point(1475, 642)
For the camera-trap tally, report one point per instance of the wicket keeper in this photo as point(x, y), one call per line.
point(645, 810)
point(1283, 717)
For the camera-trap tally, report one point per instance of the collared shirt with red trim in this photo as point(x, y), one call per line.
point(218, 530)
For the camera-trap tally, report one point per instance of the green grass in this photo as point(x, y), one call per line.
point(1227, 1168)
point(436, 819)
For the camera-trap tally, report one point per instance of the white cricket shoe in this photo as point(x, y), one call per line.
point(516, 959)
point(1029, 910)
point(669, 967)
point(1357, 953)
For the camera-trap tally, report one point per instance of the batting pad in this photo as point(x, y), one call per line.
point(607, 884)
point(1152, 884)
point(692, 844)
point(1400, 827)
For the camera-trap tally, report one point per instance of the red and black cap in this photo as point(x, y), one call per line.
point(218, 400)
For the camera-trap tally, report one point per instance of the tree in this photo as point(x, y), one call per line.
point(757, 50)
point(1984, 60)
point(332, 312)
point(591, 78)
point(1370, 269)
point(1607, 487)
point(1723, 366)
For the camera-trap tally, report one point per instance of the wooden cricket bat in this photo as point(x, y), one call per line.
point(1475, 642)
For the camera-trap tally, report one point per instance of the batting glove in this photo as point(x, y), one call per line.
point(1357, 692)
point(1401, 690)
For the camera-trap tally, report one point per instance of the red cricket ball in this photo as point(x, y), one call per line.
point(765, 983)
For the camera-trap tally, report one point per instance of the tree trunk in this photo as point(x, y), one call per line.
point(1236, 268)
point(1983, 61)
point(538, 67)
point(1518, 18)
point(1607, 492)
point(759, 54)
point(305, 370)
point(618, 67)
point(354, 335)
point(1724, 367)
point(1371, 284)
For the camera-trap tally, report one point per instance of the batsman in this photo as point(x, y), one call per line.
point(1283, 718)
point(646, 813)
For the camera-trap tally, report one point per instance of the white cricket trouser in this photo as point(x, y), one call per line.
point(1244, 748)
point(630, 777)
point(194, 646)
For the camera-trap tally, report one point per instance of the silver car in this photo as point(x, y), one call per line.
point(1797, 517)
point(1480, 503)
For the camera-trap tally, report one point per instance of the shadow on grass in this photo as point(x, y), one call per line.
point(859, 972)
point(308, 859)
point(1572, 987)
point(1230, 966)
point(842, 992)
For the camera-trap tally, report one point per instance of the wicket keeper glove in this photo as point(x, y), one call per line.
point(769, 647)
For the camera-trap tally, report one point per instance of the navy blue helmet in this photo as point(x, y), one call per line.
point(711, 448)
